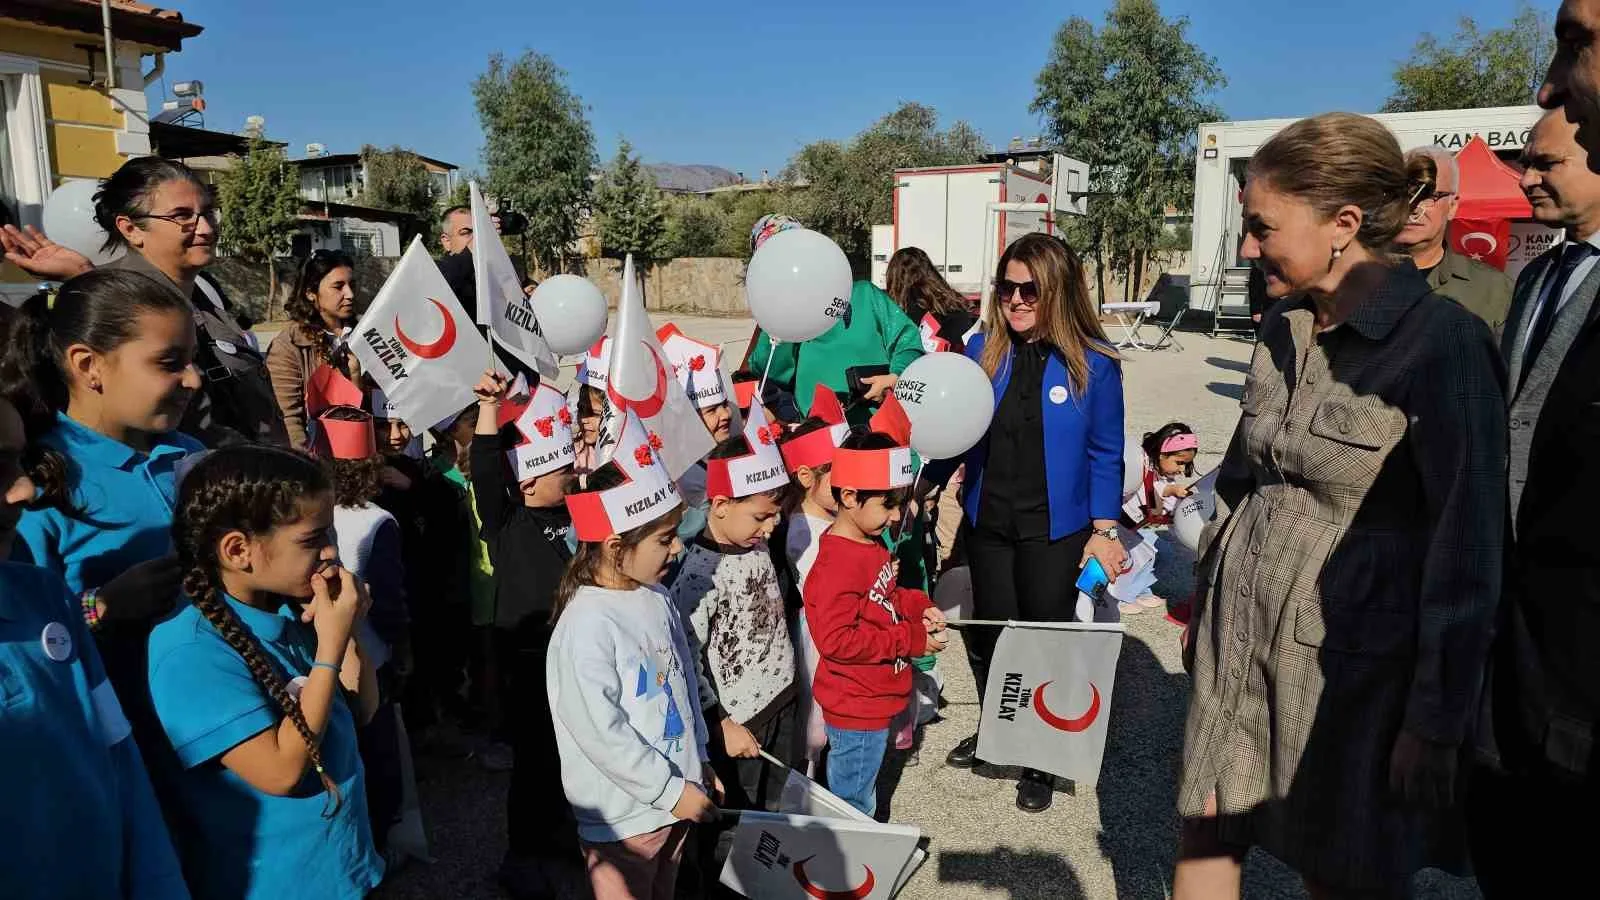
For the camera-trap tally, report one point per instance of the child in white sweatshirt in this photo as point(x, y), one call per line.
point(621, 681)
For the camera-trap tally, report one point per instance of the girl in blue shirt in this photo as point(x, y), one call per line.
point(260, 683)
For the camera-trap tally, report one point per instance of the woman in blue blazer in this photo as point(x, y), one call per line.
point(1044, 486)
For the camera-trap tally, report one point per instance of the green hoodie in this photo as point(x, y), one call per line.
point(875, 332)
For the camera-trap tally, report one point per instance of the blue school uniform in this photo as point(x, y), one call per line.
point(246, 843)
point(77, 812)
point(124, 501)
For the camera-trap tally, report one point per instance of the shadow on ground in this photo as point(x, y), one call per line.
point(1024, 876)
point(1226, 389)
point(1232, 365)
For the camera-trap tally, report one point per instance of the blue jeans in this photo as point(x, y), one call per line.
point(854, 758)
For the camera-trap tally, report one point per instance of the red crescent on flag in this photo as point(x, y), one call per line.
point(438, 348)
point(855, 893)
point(1054, 721)
point(647, 407)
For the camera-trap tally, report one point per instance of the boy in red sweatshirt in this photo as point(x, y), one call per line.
point(865, 627)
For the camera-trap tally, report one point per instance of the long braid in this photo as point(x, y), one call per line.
point(253, 490)
point(208, 600)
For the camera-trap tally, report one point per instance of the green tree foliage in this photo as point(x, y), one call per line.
point(1128, 100)
point(538, 148)
point(1475, 68)
point(850, 186)
point(259, 200)
point(743, 208)
point(397, 179)
point(695, 226)
point(630, 215)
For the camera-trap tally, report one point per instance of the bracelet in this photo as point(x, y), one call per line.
point(1109, 533)
point(91, 608)
point(337, 670)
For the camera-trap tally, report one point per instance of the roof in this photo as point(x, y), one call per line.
point(316, 210)
point(350, 159)
point(1489, 189)
point(183, 142)
point(130, 20)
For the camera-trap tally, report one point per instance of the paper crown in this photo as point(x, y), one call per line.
point(815, 448)
point(879, 470)
point(929, 329)
point(328, 387)
point(744, 393)
point(698, 366)
point(646, 495)
point(596, 364)
point(545, 427)
point(756, 472)
point(345, 432)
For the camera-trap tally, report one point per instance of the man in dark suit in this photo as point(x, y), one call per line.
point(1538, 771)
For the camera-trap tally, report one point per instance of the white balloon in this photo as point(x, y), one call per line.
point(949, 400)
point(1132, 466)
point(571, 313)
point(69, 221)
point(798, 284)
point(1195, 510)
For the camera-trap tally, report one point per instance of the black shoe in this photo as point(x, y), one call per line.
point(1035, 791)
point(965, 754)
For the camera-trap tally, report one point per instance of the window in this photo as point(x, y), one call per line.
point(8, 184)
point(361, 242)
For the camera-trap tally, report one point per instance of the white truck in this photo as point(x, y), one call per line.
point(1218, 274)
point(964, 216)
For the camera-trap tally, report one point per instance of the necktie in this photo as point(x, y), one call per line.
point(1544, 318)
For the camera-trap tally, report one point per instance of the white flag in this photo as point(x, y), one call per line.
point(418, 344)
point(1049, 697)
point(784, 857)
point(642, 380)
point(803, 797)
point(501, 303)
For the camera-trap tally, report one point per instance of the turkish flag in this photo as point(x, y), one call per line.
point(1485, 240)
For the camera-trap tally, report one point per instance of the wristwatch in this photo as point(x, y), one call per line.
point(1109, 532)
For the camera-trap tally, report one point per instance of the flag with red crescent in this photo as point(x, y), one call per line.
point(797, 857)
point(641, 380)
point(502, 305)
point(1485, 240)
point(418, 344)
point(1048, 698)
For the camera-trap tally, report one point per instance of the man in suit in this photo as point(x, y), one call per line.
point(1540, 764)
point(1434, 181)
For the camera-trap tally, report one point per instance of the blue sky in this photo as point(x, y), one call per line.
point(744, 85)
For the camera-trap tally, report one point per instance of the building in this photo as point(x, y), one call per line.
point(64, 114)
point(338, 177)
point(208, 153)
point(334, 218)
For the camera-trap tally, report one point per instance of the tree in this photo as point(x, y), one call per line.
point(397, 179)
point(630, 216)
point(1473, 68)
point(538, 149)
point(850, 186)
point(259, 199)
point(1128, 100)
point(695, 226)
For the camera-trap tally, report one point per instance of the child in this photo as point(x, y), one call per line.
point(590, 401)
point(808, 455)
point(632, 741)
point(1169, 453)
point(728, 592)
point(526, 525)
point(251, 690)
point(79, 810)
point(698, 367)
point(866, 628)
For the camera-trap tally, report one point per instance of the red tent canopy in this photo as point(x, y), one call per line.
point(1488, 188)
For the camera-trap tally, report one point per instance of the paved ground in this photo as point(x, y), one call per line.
point(1116, 840)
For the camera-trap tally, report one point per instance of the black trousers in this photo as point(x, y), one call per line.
point(1026, 579)
point(539, 823)
point(1531, 833)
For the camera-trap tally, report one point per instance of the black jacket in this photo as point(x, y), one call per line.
point(527, 546)
point(433, 516)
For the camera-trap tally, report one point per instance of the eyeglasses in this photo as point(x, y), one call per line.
point(1016, 293)
point(1435, 197)
point(187, 219)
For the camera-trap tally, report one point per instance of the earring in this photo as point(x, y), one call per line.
point(94, 385)
point(1337, 253)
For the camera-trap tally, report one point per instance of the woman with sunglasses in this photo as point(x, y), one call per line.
point(322, 309)
point(1044, 487)
point(163, 215)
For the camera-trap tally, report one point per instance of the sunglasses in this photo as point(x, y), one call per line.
point(1025, 293)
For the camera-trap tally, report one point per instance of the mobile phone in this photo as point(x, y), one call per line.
point(1093, 579)
point(856, 376)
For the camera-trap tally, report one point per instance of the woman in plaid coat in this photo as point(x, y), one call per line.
point(1349, 580)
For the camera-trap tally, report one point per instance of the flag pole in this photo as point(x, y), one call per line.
point(772, 351)
point(1013, 623)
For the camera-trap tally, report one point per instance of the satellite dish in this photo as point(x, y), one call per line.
point(315, 150)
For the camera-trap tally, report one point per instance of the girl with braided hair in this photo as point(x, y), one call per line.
point(260, 683)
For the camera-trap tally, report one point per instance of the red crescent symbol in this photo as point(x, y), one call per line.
point(1054, 721)
point(823, 894)
point(438, 348)
point(647, 407)
point(1483, 236)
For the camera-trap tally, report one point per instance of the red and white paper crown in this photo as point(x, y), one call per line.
point(647, 495)
point(744, 393)
point(338, 427)
point(756, 472)
point(815, 449)
point(545, 426)
point(697, 365)
point(596, 364)
point(879, 470)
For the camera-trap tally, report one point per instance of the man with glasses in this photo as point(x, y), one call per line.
point(1434, 182)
